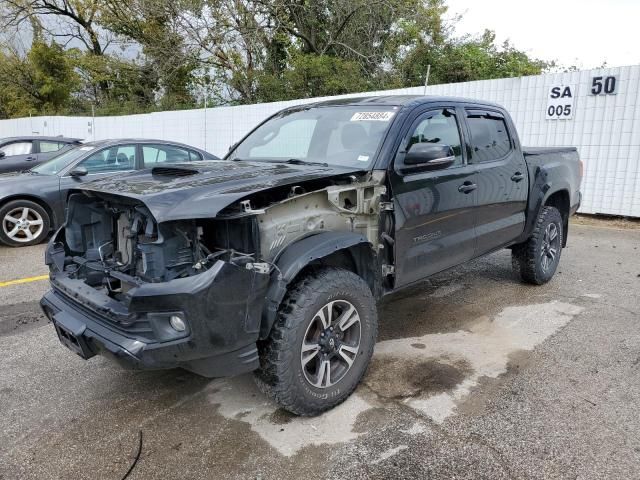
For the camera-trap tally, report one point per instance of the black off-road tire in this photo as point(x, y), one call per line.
point(35, 213)
point(282, 375)
point(527, 257)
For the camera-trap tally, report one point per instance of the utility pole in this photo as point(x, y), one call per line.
point(206, 94)
point(426, 80)
point(93, 122)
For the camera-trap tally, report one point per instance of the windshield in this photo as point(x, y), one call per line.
point(338, 135)
point(56, 164)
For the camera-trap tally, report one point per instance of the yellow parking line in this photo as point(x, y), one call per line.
point(23, 280)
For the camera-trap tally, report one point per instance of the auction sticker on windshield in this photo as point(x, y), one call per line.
point(372, 116)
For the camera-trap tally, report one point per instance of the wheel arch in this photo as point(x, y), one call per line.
point(560, 200)
point(53, 221)
point(346, 250)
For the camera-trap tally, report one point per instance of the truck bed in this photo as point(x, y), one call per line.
point(532, 151)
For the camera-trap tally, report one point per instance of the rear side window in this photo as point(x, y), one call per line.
point(489, 136)
point(46, 147)
point(17, 148)
point(162, 154)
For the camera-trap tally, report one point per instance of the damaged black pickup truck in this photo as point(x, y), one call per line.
point(273, 259)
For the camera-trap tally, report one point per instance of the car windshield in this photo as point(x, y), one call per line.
point(59, 163)
point(336, 135)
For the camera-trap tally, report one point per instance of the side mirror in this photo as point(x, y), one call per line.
point(78, 172)
point(430, 156)
point(2, 154)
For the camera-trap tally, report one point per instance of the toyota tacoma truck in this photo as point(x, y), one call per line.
point(273, 259)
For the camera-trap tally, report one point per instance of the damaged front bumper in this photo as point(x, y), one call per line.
point(219, 308)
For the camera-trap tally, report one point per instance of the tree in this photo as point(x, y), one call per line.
point(40, 83)
point(239, 51)
point(469, 58)
point(253, 47)
point(154, 25)
point(62, 19)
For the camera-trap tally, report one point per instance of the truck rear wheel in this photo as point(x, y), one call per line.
point(321, 343)
point(537, 259)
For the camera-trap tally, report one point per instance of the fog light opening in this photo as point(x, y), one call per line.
point(177, 323)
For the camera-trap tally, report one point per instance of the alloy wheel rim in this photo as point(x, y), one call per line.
point(550, 247)
point(22, 224)
point(331, 343)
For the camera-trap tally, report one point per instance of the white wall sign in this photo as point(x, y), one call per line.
point(560, 102)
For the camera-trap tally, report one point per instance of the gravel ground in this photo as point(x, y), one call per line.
point(475, 376)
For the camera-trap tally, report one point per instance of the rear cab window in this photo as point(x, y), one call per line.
point(490, 140)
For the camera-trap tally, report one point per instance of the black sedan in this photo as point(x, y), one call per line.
point(33, 203)
point(22, 153)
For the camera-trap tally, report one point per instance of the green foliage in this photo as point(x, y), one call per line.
point(233, 52)
point(42, 82)
point(311, 75)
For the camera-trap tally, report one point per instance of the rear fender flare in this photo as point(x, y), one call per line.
point(543, 187)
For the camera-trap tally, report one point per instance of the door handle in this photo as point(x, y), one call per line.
point(517, 177)
point(30, 159)
point(467, 187)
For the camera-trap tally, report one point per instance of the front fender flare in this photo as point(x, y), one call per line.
point(294, 259)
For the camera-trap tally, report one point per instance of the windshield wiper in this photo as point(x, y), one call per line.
point(297, 161)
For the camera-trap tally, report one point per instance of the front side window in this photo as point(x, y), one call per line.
point(489, 136)
point(115, 159)
point(17, 148)
point(47, 147)
point(156, 155)
point(438, 127)
point(62, 161)
point(336, 135)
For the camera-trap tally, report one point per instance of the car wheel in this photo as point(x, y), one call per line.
point(321, 343)
point(537, 259)
point(23, 223)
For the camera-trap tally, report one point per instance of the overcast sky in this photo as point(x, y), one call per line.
point(585, 33)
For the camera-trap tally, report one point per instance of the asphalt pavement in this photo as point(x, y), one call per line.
point(475, 375)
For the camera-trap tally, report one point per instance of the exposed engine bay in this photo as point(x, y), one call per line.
point(113, 243)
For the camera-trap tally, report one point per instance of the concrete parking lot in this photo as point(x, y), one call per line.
point(475, 376)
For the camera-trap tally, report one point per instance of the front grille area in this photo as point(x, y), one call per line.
point(139, 329)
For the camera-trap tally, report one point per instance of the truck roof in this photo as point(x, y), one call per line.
point(401, 100)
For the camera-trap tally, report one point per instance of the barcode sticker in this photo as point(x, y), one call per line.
point(372, 116)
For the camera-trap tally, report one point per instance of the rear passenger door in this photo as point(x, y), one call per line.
point(502, 179)
point(18, 156)
point(433, 210)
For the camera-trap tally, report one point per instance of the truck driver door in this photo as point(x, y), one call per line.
point(433, 202)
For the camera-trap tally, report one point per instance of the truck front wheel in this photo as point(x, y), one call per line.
point(536, 260)
point(321, 343)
